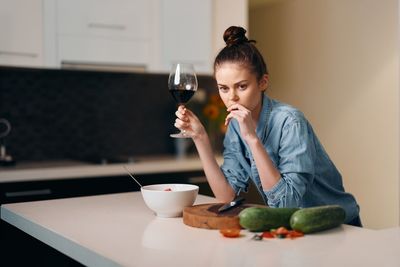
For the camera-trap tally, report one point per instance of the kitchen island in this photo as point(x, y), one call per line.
point(119, 230)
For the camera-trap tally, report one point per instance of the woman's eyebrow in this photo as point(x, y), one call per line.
point(242, 81)
point(237, 83)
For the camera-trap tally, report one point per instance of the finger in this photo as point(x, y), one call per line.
point(181, 116)
point(181, 127)
point(236, 106)
point(188, 112)
point(240, 116)
point(238, 113)
point(184, 121)
point(228, 118)
point(245, 113)
point(186, 129)
point(181, 109)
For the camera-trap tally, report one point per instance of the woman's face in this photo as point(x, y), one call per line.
point(237, 84)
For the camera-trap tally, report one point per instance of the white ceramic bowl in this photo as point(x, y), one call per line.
point(169, 203)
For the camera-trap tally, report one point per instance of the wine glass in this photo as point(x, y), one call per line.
point(182, 84)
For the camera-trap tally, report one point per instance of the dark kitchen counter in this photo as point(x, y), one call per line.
point(70, 169)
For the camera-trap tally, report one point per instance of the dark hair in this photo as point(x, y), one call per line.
point(241, 50)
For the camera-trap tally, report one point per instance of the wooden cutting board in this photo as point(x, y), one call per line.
point(207, 216)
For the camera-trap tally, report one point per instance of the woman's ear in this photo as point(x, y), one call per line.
point(264, 82)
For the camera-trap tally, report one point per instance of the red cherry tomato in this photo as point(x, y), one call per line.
point(268, 235)
point(294, 234)
point(234, 232)
point(282, 231)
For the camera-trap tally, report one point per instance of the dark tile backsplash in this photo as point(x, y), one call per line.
point(70, 114)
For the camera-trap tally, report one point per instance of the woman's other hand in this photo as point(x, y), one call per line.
point(245, 120)
point(188, 122)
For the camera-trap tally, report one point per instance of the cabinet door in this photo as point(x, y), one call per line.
point(21, 33)
point(111, 19)
point(104, 31)
point(186, 33)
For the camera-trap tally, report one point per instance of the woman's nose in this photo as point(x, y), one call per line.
point(233, 96)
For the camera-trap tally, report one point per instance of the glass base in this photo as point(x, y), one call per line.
point(179, 135)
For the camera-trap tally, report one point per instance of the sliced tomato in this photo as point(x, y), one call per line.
point(282, 231)
point(232, 232)
point(268, 235)
point(294, 234)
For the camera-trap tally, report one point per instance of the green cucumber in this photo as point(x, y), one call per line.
point(259, 219)
point(315, 219)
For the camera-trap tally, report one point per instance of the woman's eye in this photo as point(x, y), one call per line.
point(223, 89)
point(243, 86)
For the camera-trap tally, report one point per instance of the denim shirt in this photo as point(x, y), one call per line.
point(308, 176)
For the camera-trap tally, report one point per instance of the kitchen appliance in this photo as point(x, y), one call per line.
point(5, 128)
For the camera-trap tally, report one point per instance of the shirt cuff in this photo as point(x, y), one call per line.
point(237, 188)
point(274, 195)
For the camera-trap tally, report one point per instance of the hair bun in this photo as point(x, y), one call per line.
point(235, 35)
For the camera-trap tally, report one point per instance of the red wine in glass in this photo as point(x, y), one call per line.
point(181, 96)
point(182, 84)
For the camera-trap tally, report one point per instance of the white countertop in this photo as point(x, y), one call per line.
point(119, 230)
point(53, 170)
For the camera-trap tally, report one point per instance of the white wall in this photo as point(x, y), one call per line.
point(338, 61)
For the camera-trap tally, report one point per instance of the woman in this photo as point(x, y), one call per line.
point(267, 141)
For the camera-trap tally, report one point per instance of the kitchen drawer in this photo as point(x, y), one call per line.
point(41, 190)
point(103, 51)
point(51, 189)
point(116, 19)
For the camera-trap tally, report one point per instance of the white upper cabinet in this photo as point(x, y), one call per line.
point(146, 35)
point(21, 33)
point(192, 30)
point(186, 33)
point(108, 32)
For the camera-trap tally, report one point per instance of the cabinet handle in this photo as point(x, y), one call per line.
point(18, 54)
point(107, 26)
point(29, 193)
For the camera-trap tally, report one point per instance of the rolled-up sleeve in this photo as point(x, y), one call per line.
point(296, 165)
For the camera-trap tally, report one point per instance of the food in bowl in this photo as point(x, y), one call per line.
point(168, 200)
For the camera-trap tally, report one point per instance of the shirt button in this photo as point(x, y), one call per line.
point(272, 196)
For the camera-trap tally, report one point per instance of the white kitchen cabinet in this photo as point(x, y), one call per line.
point(148, 34)
point(191, 31)
point(21, 32)
point(105, 32)
point(120, 34)
point(186, 33)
